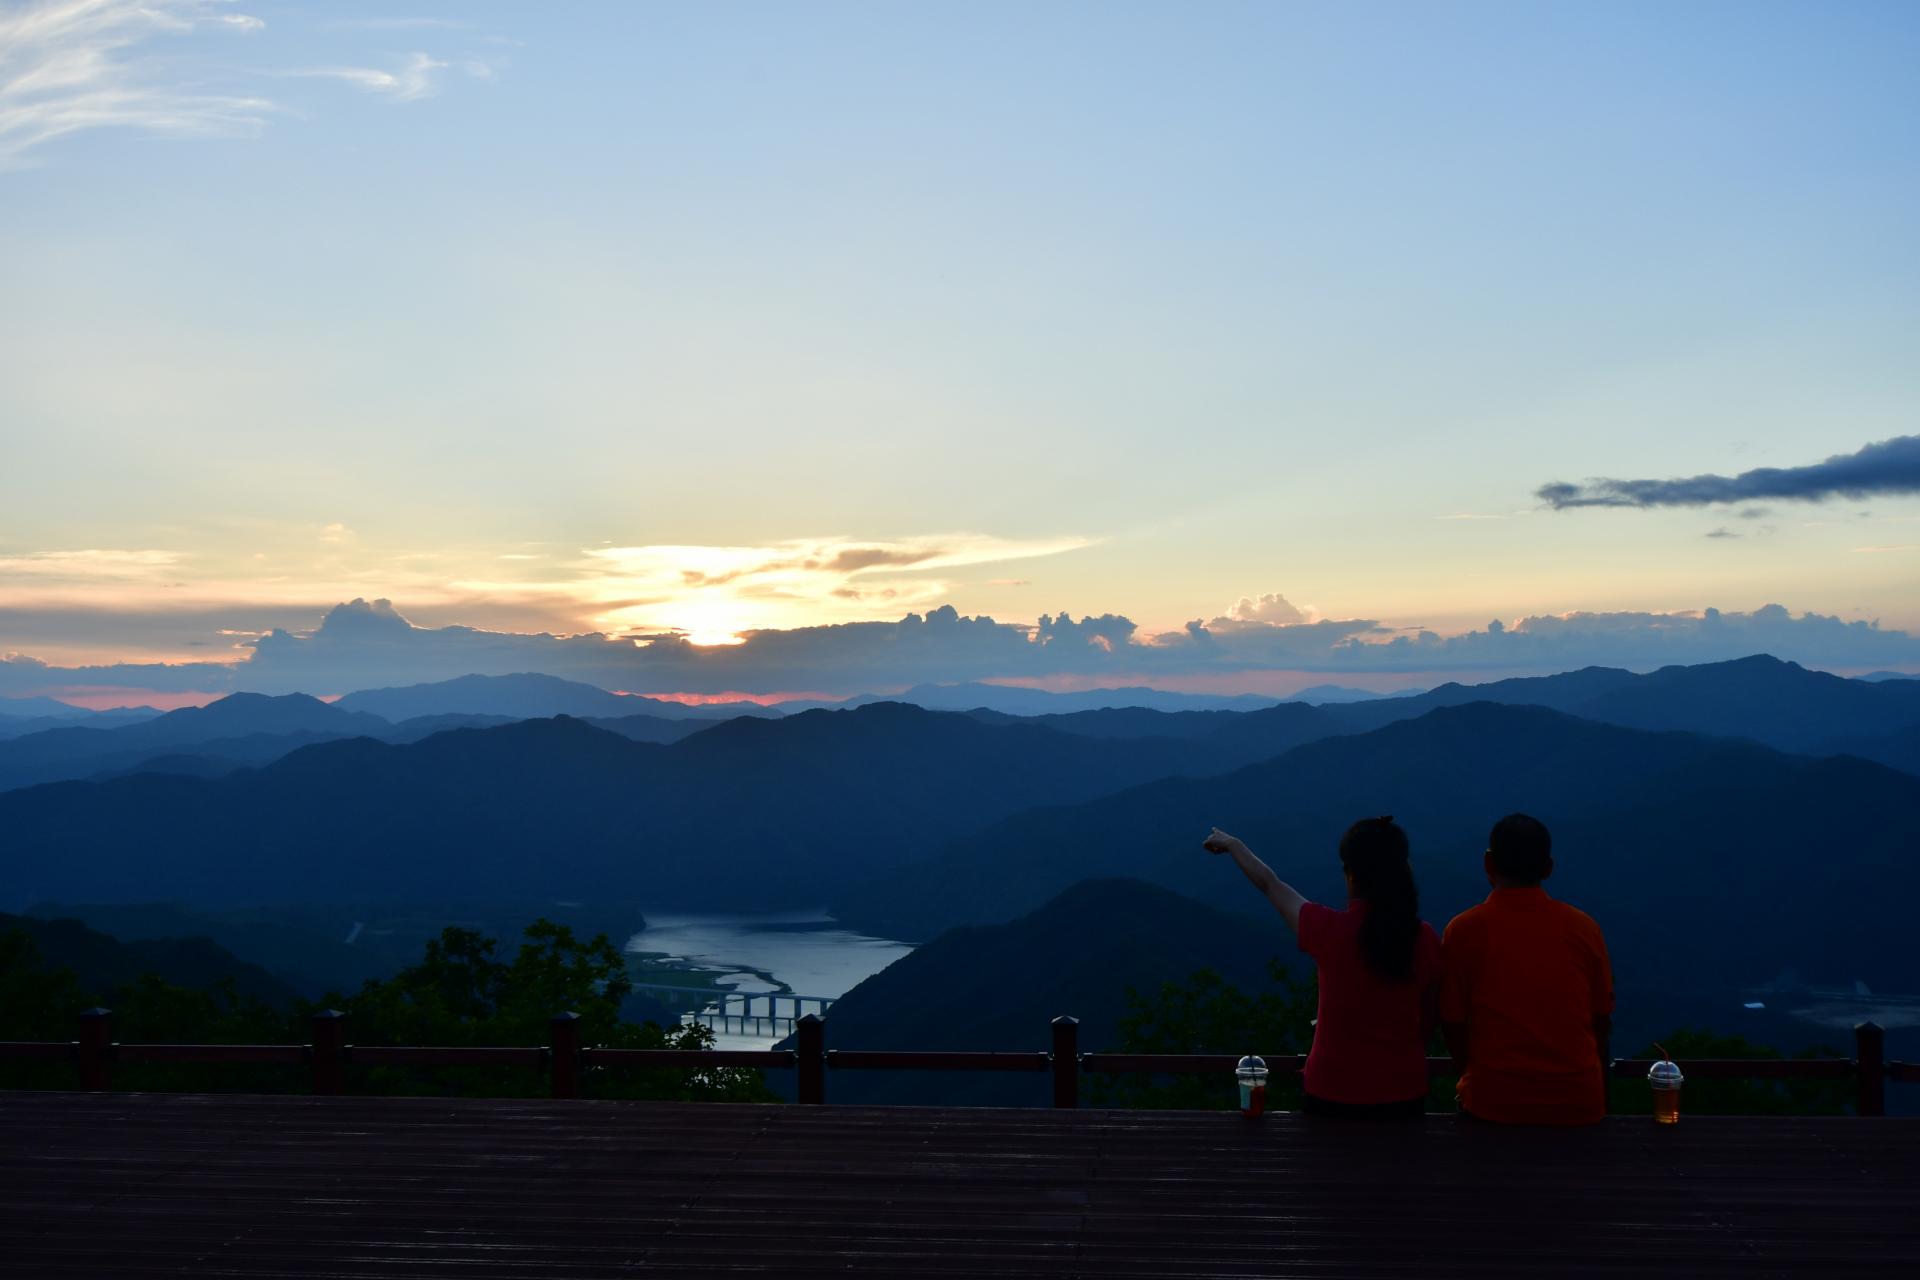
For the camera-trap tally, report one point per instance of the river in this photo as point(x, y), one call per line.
point(800, 953)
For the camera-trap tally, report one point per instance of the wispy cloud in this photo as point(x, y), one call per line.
point(713, 595)
point(397, 24)
point(69, 65)
point(416, 76)
point(1888, 467)
point(88, 564)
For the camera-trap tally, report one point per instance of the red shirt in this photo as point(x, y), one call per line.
point(1370, 1043)
point(1529, 977)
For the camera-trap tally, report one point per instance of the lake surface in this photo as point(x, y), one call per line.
point(801, 953)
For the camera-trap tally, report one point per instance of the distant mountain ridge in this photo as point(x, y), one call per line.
point(1759, 698)
point(752, 813)
point(531, 696)
point(102, 962)
point(1724, 860)
point(20, 716)
point(1020, 701)
point(234, 720)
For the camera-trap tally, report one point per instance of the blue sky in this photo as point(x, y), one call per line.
point(521, 315)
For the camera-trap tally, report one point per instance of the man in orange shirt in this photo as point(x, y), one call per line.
point(1526, 992)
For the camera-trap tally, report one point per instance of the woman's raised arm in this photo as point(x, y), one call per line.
point(1286, 899)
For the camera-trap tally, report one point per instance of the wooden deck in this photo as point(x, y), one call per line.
point(149, 1184)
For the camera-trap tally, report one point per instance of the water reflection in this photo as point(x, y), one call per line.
point(801, 953)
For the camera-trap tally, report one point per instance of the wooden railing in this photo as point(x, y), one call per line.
point(94, 1053)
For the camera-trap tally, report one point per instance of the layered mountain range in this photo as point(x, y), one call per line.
point(1738, 823)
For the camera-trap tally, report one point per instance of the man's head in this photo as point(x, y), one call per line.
point(1519, 852)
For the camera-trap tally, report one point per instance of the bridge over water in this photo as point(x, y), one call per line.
point(771, 1014)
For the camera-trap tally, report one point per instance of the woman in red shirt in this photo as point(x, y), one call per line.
point(1379, 974)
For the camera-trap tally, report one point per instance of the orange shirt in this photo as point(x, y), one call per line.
point(1528, 976)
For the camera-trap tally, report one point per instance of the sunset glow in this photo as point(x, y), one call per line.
point(478, 333)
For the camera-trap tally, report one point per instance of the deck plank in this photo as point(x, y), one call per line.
point(142, 1185)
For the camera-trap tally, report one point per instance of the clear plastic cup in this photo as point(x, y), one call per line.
point(1252, 1075)
point(1664, 1078)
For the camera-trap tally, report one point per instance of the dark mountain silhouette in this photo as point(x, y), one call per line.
point(530, 696)
point(649, 728)
point(418, 727)
point(246, 728)
point(751, 813)
point(176, 748)
point(1214, 741)
point(1708, 861)
point(1778, 703)
point(21, 716)
point(1897, 750)
point(1321, 693)
point(179, 763)
point(103, 963)
point(1128, 722)
point(998, 986)
point(1763, 699)
point(43, 709)
point(1021, 701)
point(21, 726)
point(317, 948)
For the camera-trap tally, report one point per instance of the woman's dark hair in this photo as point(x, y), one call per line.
point(1374, 852)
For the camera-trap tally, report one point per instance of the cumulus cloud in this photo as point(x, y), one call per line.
point(1272, 608)
point(370, 643)
point(1888, 467)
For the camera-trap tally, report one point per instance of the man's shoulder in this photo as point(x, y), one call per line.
point(1576, 916)
point(1468, 923)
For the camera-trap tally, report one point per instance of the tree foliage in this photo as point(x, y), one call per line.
point(1736, 1097)
point(462, 992)
point(1206, 1014)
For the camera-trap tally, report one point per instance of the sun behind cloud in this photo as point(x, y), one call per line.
point(717, 595)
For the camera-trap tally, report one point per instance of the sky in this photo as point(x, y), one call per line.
point(1280, 333)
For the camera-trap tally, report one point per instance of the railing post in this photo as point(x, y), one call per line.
point(1066, 1062)
point(329, 1050)
point(94, 1048)
point(810, 1046)
point(1870, 1060)
point(564, 1055)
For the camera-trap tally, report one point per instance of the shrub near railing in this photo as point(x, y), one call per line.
point(569, 1065)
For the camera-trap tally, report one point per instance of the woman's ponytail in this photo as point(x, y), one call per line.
point(1374, 852)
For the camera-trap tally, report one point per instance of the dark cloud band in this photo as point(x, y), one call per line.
point(366, 645)
point(1889, 467)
